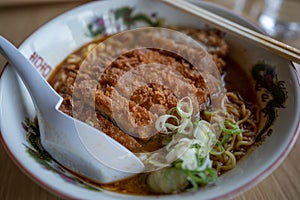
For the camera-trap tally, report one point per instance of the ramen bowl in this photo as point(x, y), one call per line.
point(47, 48)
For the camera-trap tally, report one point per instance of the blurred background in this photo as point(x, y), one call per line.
point(20, 18)
point(279, 18)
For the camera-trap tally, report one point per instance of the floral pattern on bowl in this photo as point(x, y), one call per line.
point(273, 96)
point(41, 156)
point(121, 19)
point(89, 25)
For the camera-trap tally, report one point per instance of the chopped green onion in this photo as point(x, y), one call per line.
point(162, 126)
point(218, 144)
point(185, 108)
point(225, 139)
point(189, 148)
point(233, 129)
point(186, 127)
point(89, 122)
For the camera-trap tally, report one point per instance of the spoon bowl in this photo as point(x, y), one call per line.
point(103, 160)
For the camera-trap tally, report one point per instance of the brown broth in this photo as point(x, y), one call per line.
point(52, 78)
point(236, 79)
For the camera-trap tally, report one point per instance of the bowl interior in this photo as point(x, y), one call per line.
point(45, 54)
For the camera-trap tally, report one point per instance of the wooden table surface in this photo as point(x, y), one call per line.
point(18, 19)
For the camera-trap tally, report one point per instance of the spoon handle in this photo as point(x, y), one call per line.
point(43, 95)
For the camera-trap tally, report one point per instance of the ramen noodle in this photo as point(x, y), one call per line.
point(239, 109)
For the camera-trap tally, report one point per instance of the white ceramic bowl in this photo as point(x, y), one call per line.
point(50, 44)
